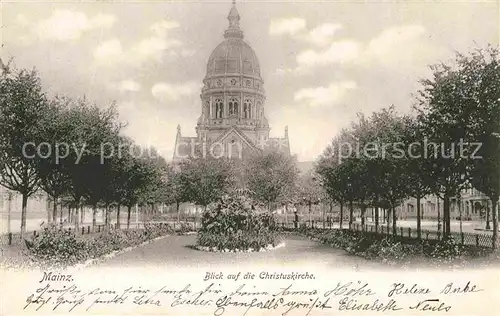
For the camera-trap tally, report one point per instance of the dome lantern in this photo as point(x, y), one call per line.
point(233, 31)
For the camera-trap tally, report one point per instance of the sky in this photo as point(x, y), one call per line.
point(321, 62)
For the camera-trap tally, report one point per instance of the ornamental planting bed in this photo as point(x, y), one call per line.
point(215, 249)
point(237, 224)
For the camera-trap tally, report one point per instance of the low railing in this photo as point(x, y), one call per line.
point(469, 239)
point(15, 238)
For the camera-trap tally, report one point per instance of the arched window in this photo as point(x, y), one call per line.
point(219, 108)
point(247, 109)
point(233, 106)
point(259, 110)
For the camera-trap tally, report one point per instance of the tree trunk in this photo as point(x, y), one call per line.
point(459, 202)
point(323, 211)
point(363, 211)
point(54, 211)
point(23, 214)
point(129, 210)
point(118, 223)
point(439, 215)
point(286, 213)
point(77, 219)
point(106, 217)
point(376, 219)
point(351, 214)
point(9, 212)
point(49, 211)
point(82, 214)
point(388, 213)
point(178, 210)
point(310, 219)
point(494, 214)
point(330, 211)
point(341, 215)
point(394, 219)
point(383, 215)
point(446, 216)
point(61, 223)
point(70, 214)
point(488, 217)
point(419, 219)
point(94, 215)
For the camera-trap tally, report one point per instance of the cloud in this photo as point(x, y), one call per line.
point(297, 28)
point(338, 52)
point(153, 47)
point(66, 25)
point(173, 92)
point(109, 51)
point(324, 96)
point(288, 26)
point(161, 27)
point(323, 34)
point(128, 85)
point(399, 46)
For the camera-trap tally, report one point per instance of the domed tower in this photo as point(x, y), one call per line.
point(233, 96)
point(233, 93)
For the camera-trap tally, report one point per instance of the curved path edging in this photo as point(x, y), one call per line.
point(214, 249)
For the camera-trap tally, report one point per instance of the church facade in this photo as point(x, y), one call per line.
point(232, 122)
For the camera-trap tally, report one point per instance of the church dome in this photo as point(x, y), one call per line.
point(233, 56)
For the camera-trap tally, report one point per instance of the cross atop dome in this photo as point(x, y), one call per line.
point(233, 31)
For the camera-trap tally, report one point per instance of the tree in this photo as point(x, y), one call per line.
point(135, 181)
point(309, 191)
point(457, 106)
point(157, 173)
point(175, 191)
point(271, 177)
point(23, 106)
point(484, 67)
point(418, 180)
point(334, 178)
point(55, 155)
point(95, 144)
point(389, 166)
point(206, 179)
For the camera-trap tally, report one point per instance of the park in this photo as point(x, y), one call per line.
point(390, 188)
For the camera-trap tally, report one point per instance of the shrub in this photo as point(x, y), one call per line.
point(387, 248)
point(235, 223)
point(55, 246)
point(446, 249)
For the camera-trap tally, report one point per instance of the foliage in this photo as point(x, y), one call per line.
point(205, 180)
point(55, 247)
point(23, 108)
point(271, 177)
point(235, 223)
point(390, 249)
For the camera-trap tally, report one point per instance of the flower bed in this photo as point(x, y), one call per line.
point(394, 250)
point(215, 249)
point(57, 248)
point(235, 224)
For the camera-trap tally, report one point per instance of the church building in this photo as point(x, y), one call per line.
point(232, 122)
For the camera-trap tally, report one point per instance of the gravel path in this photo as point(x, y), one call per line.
point(175, 251)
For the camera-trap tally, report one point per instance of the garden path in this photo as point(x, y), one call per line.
point(175, 251)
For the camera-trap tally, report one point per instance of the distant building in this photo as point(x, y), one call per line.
point(474, 206)
point(36, 209)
